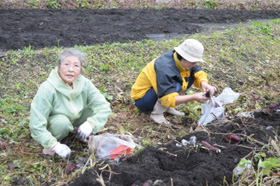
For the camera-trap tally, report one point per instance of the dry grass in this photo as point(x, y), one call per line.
point(133, 4)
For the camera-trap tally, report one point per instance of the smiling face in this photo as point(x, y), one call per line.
point(186, 64)
point(70, 69)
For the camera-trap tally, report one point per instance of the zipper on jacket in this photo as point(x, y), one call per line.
point(73, 107)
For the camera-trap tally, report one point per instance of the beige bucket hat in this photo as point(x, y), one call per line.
point(191, 50)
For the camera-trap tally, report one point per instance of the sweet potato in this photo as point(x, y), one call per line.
point(70, 168)
point(232, 138)
point(214, 149)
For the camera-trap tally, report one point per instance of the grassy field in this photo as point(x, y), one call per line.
point(246, 58)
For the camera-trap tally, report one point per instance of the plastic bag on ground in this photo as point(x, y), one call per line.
point(227, 96)
point(242, 166)
point(111, 146)
point(214, 109)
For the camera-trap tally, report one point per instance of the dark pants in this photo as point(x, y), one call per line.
point(148, 102)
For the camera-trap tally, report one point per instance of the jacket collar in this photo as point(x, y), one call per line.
point(178, 62)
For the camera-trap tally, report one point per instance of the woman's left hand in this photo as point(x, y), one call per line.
point(84, 131)
point(205, 87)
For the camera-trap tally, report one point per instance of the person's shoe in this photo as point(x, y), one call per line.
point(157, 114)
point(174, 112)
point(48, 152)
point(159, 118)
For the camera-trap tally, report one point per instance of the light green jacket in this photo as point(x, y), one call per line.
point(54, 97)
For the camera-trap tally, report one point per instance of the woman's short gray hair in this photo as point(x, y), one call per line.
point(67, 53)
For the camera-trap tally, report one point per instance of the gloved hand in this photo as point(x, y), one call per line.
point(84, 131)
point(61, 150)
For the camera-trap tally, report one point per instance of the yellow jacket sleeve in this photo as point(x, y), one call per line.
point(169, 100)
point(199, 77)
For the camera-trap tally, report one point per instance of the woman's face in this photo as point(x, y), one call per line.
point(70, 69)
point(186, 64)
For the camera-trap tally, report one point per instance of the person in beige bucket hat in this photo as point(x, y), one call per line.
point(162, 84)
point(191, 50)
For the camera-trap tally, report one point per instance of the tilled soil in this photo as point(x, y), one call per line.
point(189, 166)
point(47, 28)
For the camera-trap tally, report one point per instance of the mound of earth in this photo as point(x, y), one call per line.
point(171, 164)
point(47, 28)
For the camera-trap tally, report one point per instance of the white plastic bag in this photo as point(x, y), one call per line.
point(214, 109)
point(211, 111)
point(243, 165)
point(111, 146)
point(228, 96)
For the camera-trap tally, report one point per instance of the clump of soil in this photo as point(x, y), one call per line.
point(171, 164)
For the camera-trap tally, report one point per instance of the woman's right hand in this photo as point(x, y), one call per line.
point(200, 97)
point(62, 150)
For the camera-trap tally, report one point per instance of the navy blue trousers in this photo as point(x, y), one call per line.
point(147, 102)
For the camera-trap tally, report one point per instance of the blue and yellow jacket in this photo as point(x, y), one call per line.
point(162, 74)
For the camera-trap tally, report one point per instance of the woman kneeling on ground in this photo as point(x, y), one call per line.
point(161, 84)
point(67, 100)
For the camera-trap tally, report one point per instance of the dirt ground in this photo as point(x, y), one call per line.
point(166, 164)
point(47, 28)
point(172, 165)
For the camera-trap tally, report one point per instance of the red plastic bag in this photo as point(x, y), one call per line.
point(111, 146)
point(120, 151)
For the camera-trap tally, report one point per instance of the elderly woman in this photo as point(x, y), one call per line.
point(64, 101)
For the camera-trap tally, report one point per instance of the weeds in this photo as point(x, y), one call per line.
point(53, 4)
point(210, 4)
point(263, 28)
point(131, 4)
point(267, 165)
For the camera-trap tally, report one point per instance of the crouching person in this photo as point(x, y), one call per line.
point(65, 101)
point(161, 84)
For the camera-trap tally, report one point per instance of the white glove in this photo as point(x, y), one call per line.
point(62, 150)
point(84, 131)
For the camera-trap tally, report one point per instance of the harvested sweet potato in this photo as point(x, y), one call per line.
point(214, 149)
point(232, 138)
